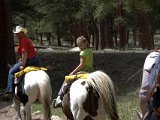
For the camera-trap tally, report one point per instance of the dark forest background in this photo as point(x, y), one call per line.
point(107, 24)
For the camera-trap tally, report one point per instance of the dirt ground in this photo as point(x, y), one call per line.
point(119, 66)
point(7, 111)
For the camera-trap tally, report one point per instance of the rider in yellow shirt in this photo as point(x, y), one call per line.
point(85, 65)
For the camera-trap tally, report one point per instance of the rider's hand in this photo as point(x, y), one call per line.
point(20, 59)
point(21, 67)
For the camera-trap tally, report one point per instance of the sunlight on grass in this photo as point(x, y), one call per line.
point(126, 97)
point(128, 106)
point(38, 107)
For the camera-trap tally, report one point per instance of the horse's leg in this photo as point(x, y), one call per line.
point(79, 113)
point(45, 101)
point(76, 111)
point(17, 108)
point(47, 111)
point(27, 112)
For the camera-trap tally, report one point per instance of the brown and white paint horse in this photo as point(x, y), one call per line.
point(91, 99)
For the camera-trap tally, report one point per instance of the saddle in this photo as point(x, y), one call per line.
point(71, 78)
point(28, 69)
point(19, 82)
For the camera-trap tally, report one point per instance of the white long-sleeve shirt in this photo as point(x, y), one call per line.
point(151, 69)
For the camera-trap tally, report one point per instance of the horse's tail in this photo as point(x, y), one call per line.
point(45, 94)
point(102, 82)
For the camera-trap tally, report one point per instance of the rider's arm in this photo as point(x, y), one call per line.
point(24, 58)
point(79, 67)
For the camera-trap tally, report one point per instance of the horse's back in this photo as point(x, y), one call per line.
point(35, 81)
point(38, 76)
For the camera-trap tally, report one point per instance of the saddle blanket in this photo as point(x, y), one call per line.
point(28, 69)
point(71, 78)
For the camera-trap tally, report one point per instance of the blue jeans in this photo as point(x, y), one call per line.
point(35, 61)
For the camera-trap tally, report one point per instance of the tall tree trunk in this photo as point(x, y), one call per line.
point(83, 28)
point(41, 38)
point(144, 30)
point(102, 34)
point(49, 38)
point(58, 35)
point(95, 35)
point(7, 54)
point(152, 39)
point(127, 37)
point(121, 27)
point(108, 33)
point(74, 29)
point(134, 32)
point(115, 40)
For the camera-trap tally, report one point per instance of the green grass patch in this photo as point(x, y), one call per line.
point(120, 67)
point(38, 107)
point(128, 106)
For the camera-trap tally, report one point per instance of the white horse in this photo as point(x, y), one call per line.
point(91, 99)
point(36, 87)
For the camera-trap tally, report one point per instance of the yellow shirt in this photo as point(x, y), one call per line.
point(88, 55)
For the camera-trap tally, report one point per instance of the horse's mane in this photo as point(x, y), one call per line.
point(103, 84)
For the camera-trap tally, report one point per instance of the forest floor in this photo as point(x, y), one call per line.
point(122, 67)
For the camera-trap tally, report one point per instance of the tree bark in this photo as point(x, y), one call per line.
point(108, 33)
point(134, 32)
point(95, 35)
point(7, 52)
point(144, 31)
point(102, 34)
point(74, 29)
point(121, 27)
point(83, 29)
point(41, 38)
point(58, 35)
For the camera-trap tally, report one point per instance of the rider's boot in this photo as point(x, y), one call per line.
point(57, 102)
